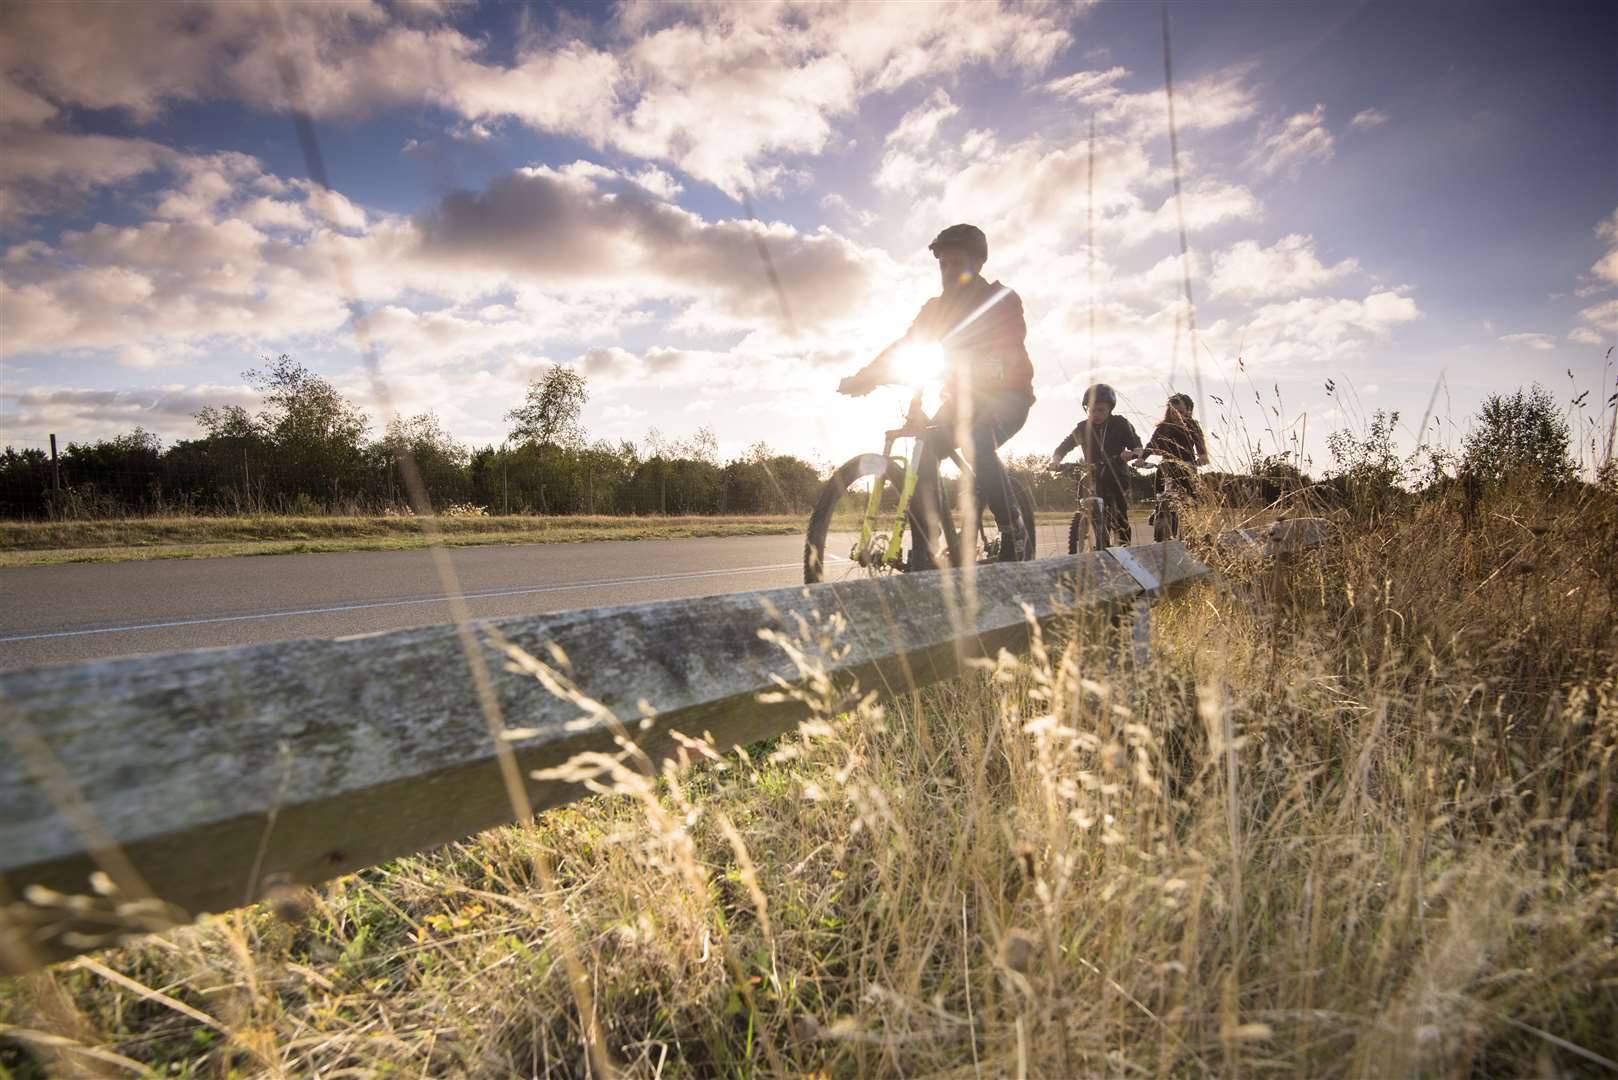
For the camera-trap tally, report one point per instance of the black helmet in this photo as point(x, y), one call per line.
point(1103, 393)
point(1182, 402)
point(967, 238)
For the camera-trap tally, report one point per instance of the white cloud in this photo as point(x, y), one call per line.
point(89, 413)
point(712, 89)
point(1214, 101)
point(543, 225)
point(40, 170)
point(1286, 268)
point(1314, 330)
point(1606, 267)
point(1368, 118)
point(920, 125)
point(1599, 324)
point(1285, 148)
point(1536, 341)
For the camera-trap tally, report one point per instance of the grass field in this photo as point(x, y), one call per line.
point(1358, 819)
point(32, 543)
point(41, 543)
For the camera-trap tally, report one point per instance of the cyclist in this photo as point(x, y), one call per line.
point(988, 385)
point(1179, 439)
point(1108, 442)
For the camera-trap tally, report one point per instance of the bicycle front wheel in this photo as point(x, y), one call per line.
point(1088, 529)
point(838, 517)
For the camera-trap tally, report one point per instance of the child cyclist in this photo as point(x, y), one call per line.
point(1179, 439)
point(1108, 443)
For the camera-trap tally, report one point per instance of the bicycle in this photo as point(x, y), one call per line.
point(1089, 529)
point(876, 551)
point(1165, 519)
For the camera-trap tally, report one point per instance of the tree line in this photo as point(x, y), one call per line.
point(308, 450)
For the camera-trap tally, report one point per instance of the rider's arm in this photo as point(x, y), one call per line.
point(1202, 444)
point(1066, 446)
point(1132, 448)
point(876, 373)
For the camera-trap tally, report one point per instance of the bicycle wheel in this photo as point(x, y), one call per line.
point(1088, 529)
point(989, 539)
point(846, 494)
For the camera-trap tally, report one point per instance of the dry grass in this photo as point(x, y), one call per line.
point(1358, 819)
point(31, 543)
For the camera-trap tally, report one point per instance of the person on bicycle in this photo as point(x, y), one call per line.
point(1108, 443)
point(1180, 441)
point(988, 384)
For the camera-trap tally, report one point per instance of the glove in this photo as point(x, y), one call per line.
point(854, 386)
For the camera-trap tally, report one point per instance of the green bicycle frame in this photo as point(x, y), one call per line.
point(874, 505)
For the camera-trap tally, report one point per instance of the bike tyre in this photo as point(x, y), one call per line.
point(831, 494)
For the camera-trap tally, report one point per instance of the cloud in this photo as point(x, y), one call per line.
point(1600, 324)
point(1285, 148)
point(1211, 102)
point(712, 89)
point(1286, 268)
point(1368, 118)
point(41, 170)
point(545, 225)
point(1535, 341)
point(89, 413)
point(1606, 267)
point(1314, 329)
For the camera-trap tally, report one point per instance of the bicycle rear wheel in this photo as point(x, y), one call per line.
point(845, 495)
point(997, 548)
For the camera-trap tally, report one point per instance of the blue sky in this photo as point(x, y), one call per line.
point(1395, 198)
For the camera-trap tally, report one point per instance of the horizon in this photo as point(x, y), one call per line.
point(1386, 208)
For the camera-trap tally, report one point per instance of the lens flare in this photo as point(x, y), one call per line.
point(921, 363)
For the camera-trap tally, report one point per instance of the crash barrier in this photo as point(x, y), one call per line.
point(139, 792)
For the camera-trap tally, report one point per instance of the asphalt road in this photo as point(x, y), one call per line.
point(86, 611)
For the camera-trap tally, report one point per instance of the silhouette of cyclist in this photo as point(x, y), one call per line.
point(988, 384)
point(1180, 440)
point(1108, 443)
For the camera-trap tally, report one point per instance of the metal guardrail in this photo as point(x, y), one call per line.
point(141, 791)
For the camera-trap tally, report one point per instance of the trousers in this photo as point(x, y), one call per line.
point(994, 418)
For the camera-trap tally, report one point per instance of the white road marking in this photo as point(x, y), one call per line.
point(570, 586)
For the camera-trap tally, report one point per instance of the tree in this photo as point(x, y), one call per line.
point(306, 442)
point(1368, 462)
point(1521, 434)
point(441, 462)
point(549, 415)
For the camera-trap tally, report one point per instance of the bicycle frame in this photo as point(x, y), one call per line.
point(915, 427)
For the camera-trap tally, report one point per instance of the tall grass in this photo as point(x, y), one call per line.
point(1357, 818)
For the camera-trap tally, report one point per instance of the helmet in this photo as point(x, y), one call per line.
point(1182, 402)
point(1102, 393)
point(967, 238)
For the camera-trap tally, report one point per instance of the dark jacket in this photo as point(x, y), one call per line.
point(1101, 447)
point(982, 331)
point(1179, 441)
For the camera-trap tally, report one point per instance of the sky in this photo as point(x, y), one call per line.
point(1402, 206)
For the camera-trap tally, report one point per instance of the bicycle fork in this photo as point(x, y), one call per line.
point(890, 556)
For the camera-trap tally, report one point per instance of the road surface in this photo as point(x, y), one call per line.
point(87, 611)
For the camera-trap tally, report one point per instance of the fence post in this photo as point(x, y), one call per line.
point(56, 468)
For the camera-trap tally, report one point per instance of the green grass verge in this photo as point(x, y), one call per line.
point(35, 543)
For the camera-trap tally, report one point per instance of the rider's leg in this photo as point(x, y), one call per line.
point(1117, 509)
point(924, 504)
point(997, 418)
